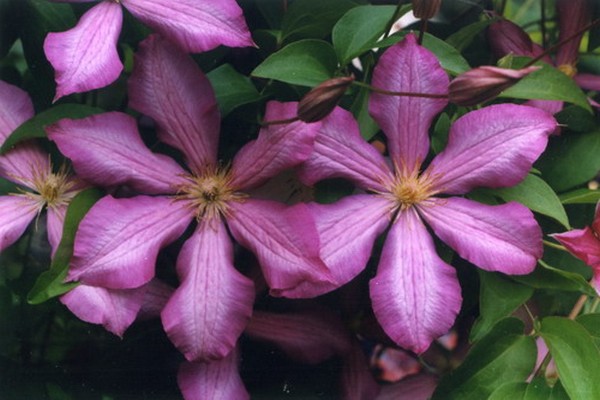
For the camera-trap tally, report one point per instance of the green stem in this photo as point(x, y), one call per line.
point(554, 245)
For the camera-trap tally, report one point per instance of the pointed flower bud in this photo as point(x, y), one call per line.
point(425, 9)
point(322, 99)
point(484, 83)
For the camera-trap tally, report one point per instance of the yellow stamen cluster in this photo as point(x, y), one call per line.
point(567, 69)
point(52, 189)
point(410, 188)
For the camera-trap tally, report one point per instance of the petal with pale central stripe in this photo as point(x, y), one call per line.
point(16, 212)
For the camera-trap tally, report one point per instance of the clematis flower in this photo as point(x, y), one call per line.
point(415, 294)
point(86, 58)
point(118, 241)
point(585, 245)
point(505, 37)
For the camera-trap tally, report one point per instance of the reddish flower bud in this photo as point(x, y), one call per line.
point(425, 9)
point(484, 83)
point(322, 99)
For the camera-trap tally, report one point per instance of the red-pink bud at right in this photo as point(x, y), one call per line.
point(425, 9)
point(322, 99)
point(484, 83)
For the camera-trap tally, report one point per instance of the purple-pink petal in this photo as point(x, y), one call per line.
point(347, 230)
point(167, 85)
point(85, 57)
point(278, 147)
point(156, 295)
point(55, 217)
point(115, 309)
point(16, 212)
point(506, 37)
point(196, 26)
point(405, 120)
point(572, 17)
point(357, 381)
point(503, 238)
point(585, 245)
point(415, 295)
point(214, 380)
point(210, 309)
point(588, 81)
point(492, 147)
point(107, 150)
point(285, 241)
point(340, 152)
point(118, 240)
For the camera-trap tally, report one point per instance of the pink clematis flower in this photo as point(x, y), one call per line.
point(118, 241)
point(415, 294)
point(86, 57)
point(585, 245)
point(505, 38)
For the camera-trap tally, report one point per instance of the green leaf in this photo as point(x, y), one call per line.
point(360, 28)
point(34, 127)
point(548, 277)
point(439, 138)
point(548, 83)
point(499, 297)
point(462, 39)
point(570, 160)
point(232, 89)
point(575, 355)
point(50, 283)
point(535, 194)
point(576, 119)
point(537, 389)
point(360, 108)
point(580, 196)
point(450, 58)
point(8, 25)
point(503, 355)
point(312, 18)
point(306, 62)
point(591, 322)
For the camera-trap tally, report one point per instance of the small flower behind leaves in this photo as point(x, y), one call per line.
point(426, 9)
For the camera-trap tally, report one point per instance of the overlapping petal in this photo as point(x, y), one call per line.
point(85, 57)
point(210, 309)
point(492, 147)
point(115, 309)
point(415, 294)
point(118, 240)
point(583, 244)
point(168, 86)
point(285, 241)
point(405, 120)
point(503, 238)
point(107, 150)
point(278, 147)
point(16, 212)
point(196, 26)
point(215, 380)
point(54, 226)
point(347, 230)
point(340, 152)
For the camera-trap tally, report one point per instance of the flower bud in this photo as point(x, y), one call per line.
point(425, 9)
point(322, 99)
point(484, 83)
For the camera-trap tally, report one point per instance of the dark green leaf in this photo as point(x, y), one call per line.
point(503, 355)
point(537, 389)
point(306, 62)
point(440, 133)
point(580, 196)
point(360, 109)
point(462, 39)
point(8, 31)
point(499, 297)
point(576, 119)
point(570, 160)
point(537, 195)
point(34, 127)
point(548, 277)
point(360, 28)
point(313, 18)
point(50, 283)
point(591, 322)
point(575, 355)
point(232, 89)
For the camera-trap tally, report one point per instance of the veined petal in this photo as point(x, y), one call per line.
point(107, 150)
point(215, 380)
point(16, 108)
point(583, 244)
point(493, 147)
point(167, 85)
point(503, 238)
point(210, 309)
point(85, 57)
point(156, 296)
point(278, 147)
point(118, 240)
point(56, 220)
point(506, 37)
point(114, 309)
point(408, 67)
point(196, 26)
point(340, 152)
point(285, 241)
point(572, 16)
point(415, 294)
point(588, 81)
point(309, 337)
point(347, 230)
point(16, 212)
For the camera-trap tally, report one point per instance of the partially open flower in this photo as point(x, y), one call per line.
point(322, 99)
point(484, 83)
point(426, 9)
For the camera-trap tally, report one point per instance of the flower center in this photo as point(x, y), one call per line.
point(411, 188)
point(209, 193)
point(567, 69)
point(54, 189)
